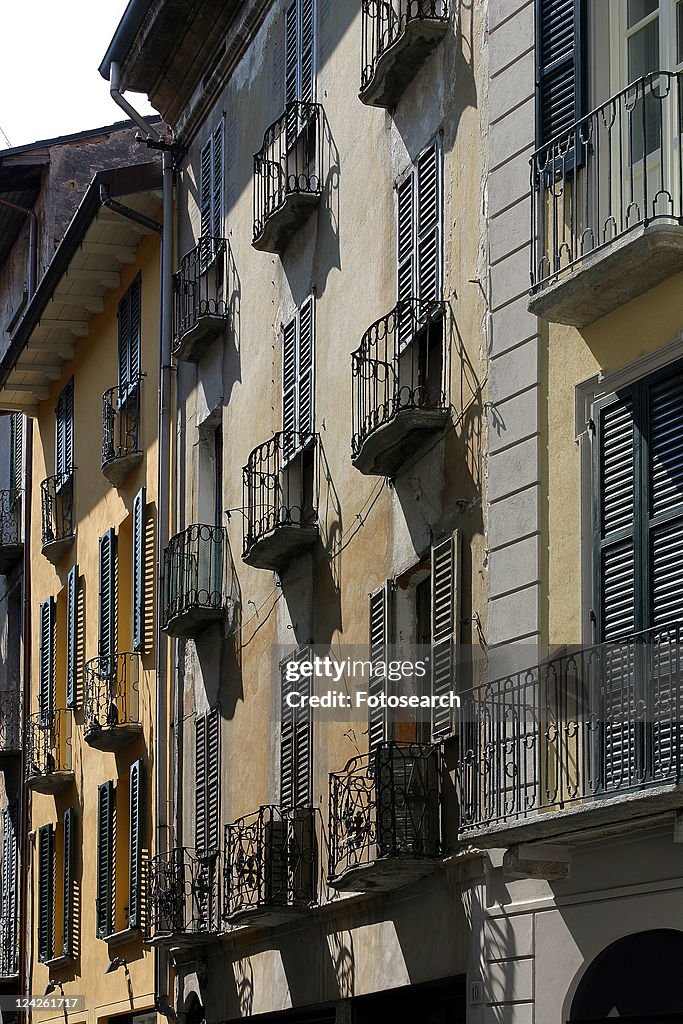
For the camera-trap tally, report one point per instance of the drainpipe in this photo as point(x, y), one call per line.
point(152, 137)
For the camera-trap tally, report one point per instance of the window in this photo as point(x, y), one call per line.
point(129, 328)
point(108, 609)
point(211, 192)
point(64, 432)
point(207, 783)
point(560, 67)
point(46, 661)
point(46, 893)
point(296, 776)
point(138, 571)
point(298, 379)
point(16, 451)
point(120, 821)
point(72, 598)
point(105, 859)
point(56, 912)
point(300, 47)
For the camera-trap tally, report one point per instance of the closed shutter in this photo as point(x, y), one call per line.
point(405, 288)
point(307, 72)
point(107, 622)
point(291, 53)
point(217, 181)
point(10, 868)
point(105, 860)
point(68, 942)
point(211, 191)
point(296, 740)
point(136, 796)
point(205, 189)
point(46, 893)
point(64, 431)
point(289, 387)
point(200, 832)
point(46, 661)
point(135, 329)
point(300, 47)
point(129, 327)
point(138, 570)
point(428, 190)
point(16, 450)
point(559, 67)
point(72, 587)
point(306, 371)
point(445, 629)
point(213, 780)
point(381, 628)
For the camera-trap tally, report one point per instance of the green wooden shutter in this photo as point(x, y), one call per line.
point(68, 946)
point(138, 570)
point(10, 868)
point(46, 661)
point(428, 226)
point(560, 75)
point(72, 588)
point(445, 622)
point(213, 780)
point(135, 330)
point(69, 427)
point(124, 340)
point(105, 859)
point(16, 451)
point(296, 776)
point(200, 833)
point(46, 893)
point(137, 786)
point(381, 628)
point(107, 620)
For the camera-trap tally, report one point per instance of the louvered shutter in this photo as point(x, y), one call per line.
point(107, 623)
point(296, 777)
point(46, 893)
point(10, 868)
point(428, 190)
point(72, 587)
point(445, 628)
point(135, 330)
point(69, 428)
point(405, 290)
point(305, 403)
point(136, 810)
point(289, 388)
point(217, 182)
point(381, 623)
point(138, 570)
point(105, 860)
point(124, 326)
point(46, 661)
point(205, 189)
point(559, 67)
point(16, 450)
point(68, 943)
point(307, 50)
point(213, 780)
point(286, 741)
point(59, 435)
point(200, 831)
point(291, 52)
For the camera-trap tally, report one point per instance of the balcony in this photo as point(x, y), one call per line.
point(385, 818)
point(10, 724)
point(269, 873)
point(196, 573)
point(607, 209)
point(398, 36)
point(111, 698)
point(586, 740)
point(281, 500)
point(9, 939)
point(48, 752)
point(56, 497)
point(400, 380)
point(288, 175)
point(11, 531)
point(202, 298)
point(121, 451)
point(183, 898)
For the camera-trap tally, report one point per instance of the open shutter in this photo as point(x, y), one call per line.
point(72, 586)
point(107, 623)
point(306, 371)
point(217, 181)
point(46, 660)
point(296, 778)
point(69, 427)
point(10, 869)
point(559, 67)
point(286, 741)
point(405, 289)
point(445, 623)
point(213, 780)
point(16, 450)
point(105, 860)
point(135, 330)
point(124, 340)
point(291, 52)
point(138, 570)
point(307, 50)
point(290, 362)
point(68, 944)
point(46, 893)
point(381, 621)
point(205, 190)
point(136, 790)
point(200, 832)
point(428, 187)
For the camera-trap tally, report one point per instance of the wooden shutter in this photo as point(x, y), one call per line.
point(136, 796)
point(428, 190)
point(291, 52)
point(72, 587)
point(205, 189)
point(306, 371)
point(46, 893)
point(16, 450)
point(664, 473)
point(445, 628)
point(381, 628)
point(64, 430)
point(213, 780)
point(46, 661)
point(200, 832)
point(405, 287)
point(289, 387)
point(123, 317)
point(296, 736)
point(560, 92)
point(105, 860)
point(135, 330)
point(10, 868)
point(107, 623)
point(138, 570)
point(68, 942)
point(307, 50)
point(217, 180)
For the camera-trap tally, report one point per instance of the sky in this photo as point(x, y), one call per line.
point(49, 55)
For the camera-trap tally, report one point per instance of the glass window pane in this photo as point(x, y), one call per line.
point(643, 51)
point(639, 9)
point(679, 33)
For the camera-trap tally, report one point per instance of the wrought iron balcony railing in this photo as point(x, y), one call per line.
point(270, 865)
point(48, 751)
point(183, 897)
point(280, 486)
point(385, 817)
point(197, 571)
point(288, 174)
point(203, 292)
point(56, 495)
point(540, 747)
point(11, 532)
point(398, 36)
point(111, 701)
point(9, 945)
point(400, 381)
point(10, 722)
point(121, 449)
point(606, 180)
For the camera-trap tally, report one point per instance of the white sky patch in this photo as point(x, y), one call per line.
point(49, 55)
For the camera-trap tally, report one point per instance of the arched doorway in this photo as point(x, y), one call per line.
point(637, 979)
